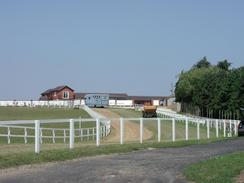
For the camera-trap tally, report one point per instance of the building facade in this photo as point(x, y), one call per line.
point(58, 93)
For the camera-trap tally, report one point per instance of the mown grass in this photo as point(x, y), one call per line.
point(221, 169)
point(166, 126)
point(25, 158)
point(27, 113)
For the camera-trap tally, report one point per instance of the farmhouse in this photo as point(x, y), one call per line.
point(58, 93)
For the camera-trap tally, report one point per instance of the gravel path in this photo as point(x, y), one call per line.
point(155, 165)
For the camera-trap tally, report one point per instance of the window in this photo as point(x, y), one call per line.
point(66, 95)
point(55, 94)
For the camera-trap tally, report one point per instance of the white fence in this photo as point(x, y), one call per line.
point(36, 132)
point(103, 128)
point(229, 126)
point(32, 103)
point(59, 103)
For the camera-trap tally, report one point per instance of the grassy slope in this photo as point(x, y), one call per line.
point(166, 126)
point(220, 169)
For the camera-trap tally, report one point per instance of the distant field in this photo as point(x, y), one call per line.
point(166, 126)
point(26, 113)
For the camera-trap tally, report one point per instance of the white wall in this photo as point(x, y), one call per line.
point(156, 102)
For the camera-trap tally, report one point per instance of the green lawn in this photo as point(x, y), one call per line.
point(26, 113)
point(219, 169)
point(166, 126)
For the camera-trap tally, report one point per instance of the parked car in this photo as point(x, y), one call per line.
point(241, 128)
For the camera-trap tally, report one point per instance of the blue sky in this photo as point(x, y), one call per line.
point(137, 47)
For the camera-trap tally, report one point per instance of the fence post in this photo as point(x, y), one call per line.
point(97, 132)
point(224, 128)
point(235, 127)
point(141, 130)
point(187, 129)
point(173, 129)
point(217, 128)
point(25, 138)
point(208, 133)
point(53, 136)
point(159, 129)
point(198, 130)
point(64, 136)
point(121, 130)
point(37, 136)
point(9, 133)
point(71, 134)
point(230, 129)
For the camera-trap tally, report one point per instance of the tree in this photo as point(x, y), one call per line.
point(203, 63)
point(211, 89)
point(224, 65)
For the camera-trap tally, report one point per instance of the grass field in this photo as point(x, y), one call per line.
point(26, 113)
point(220, 169)
point(166, 126)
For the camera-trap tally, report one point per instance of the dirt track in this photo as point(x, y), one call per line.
point(132, 132)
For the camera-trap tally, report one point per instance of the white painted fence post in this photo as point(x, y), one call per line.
point(88, 134)
point(159, 129)
point(217, 128)
point(71, 134)
point(230, 129)
point(25, 138)
point(9, 133)
point(37, 136)
point(208, 132)
point(97, 132)
point(173, 129)
point(235, 127)
point(187, 129)
point(141, 130)
point(198, 130)
point(64, 136)
point(224, 128)
point(53, 136)
point(121, 130)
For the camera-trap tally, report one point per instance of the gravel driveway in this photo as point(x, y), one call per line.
point(153, 165)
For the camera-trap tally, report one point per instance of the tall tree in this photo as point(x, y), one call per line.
point(224, 65)
point(203, 63)
point(211, 89)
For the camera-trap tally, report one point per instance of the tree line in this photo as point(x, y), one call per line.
point(212, 90)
